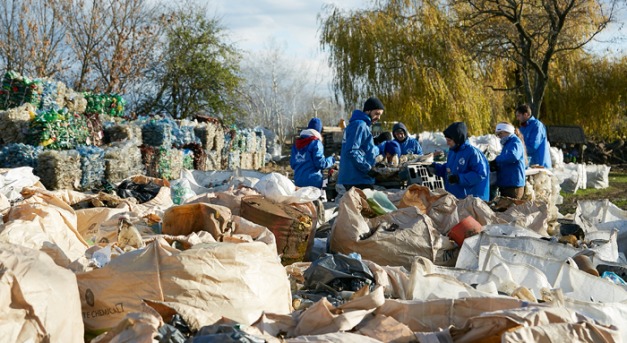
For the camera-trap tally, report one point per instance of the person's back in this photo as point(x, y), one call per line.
point(408, 144)
point(307, 158)
point(358, 150)
point(466, 171)
point(534, 133)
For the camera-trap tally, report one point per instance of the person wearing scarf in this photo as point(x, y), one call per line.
point(466, 171)
point(307, 157)
point(510, 164)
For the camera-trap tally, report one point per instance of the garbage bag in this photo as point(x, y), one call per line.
point(338, 272)
point(141, 192)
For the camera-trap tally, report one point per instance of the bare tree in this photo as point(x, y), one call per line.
point(32, 37)
point(275, 91)
point(130, 46)
point(531, 33)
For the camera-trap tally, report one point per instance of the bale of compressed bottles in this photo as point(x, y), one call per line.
point(109, 104)
point(15, 155)
point(59, 169)
point(161, 162)
point(199, 156)
point(211, 135)
point(122, 160)
point(17, 90)
point(94, 128)
point(58, 130)
point(14, 123)
point(92, 166)
point(157, 133)
point(52, 94)
point(117, 132)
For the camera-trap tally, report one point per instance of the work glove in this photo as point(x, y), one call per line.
point(373, 173)
point(493, 166)
point(453, 179)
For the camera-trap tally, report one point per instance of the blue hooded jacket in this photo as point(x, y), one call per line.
point(534, 133)
point(468, 163)
point(410, 144)
point(511, 164)
point(308, 161)
point(358, 151)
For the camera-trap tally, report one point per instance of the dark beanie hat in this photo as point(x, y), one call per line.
point(373, 104)
point(316, 124)
point(457, 132)
point(393, 148)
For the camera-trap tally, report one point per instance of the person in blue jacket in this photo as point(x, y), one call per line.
point(466, 171)
point(358, 149)
point(510, 164)
point(307, 157)
point(408, 144)
point(391, 153)
point(535, 137)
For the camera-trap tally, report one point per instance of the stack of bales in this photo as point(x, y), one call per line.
point(122, 160)
point(211, 135)
point(245, 149)
point(160, 159)
point(99, 108)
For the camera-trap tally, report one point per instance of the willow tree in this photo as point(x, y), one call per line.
point(591, 92)
point(531, 33)
point(407, 53)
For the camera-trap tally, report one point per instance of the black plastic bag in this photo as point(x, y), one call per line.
point(141, 192)
point(338, 272)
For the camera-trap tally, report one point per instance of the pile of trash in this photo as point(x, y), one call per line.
point(246, 256)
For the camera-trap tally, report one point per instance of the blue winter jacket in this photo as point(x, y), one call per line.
point(308, 162)
point(468, 163)
point(410, 144)
point(511, 164)
point(534, 133)
point(358, 151)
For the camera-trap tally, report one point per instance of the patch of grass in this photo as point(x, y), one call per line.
point(616, 193)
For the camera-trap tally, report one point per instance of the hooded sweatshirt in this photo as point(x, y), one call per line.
point(468, 163)
point(534, 133)
point(409, 144)
point(358, 151)
point(308, 159)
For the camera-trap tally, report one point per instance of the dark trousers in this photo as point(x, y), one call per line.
point(512, 192)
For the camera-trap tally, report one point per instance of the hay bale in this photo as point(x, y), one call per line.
point(59, 169)
point(19, 155)
point(122, 160)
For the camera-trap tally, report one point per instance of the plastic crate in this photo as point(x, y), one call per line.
point(419, 174)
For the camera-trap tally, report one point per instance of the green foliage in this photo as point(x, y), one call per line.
point(590, 92)
point(199, 74)
point(408, 54)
